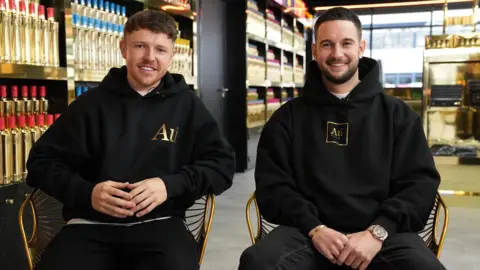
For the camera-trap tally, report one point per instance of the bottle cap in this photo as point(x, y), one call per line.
point(21, 121)
point(40, 120)
point(95, 4)
point(22, 6)
point(100, 4)
point(33, 91)
point(107, 6)
point(89, 3)
point(78, 91)
point(49, 119)
point(3, 5)
point(31, 8)
point(14, 90)
point(51, 13)
point(85, 89)
point(41, 11)
point(112, 7)
point(30, 121)
point(118, 10)
point(57, 115)
point(124, 11)
point(24, 91)
point(90, 22)
point(74, 19)
point(84, 21)
point(2, 123)
point(3, 90)
point(43, 91)
point(12, 5)
point(11, 122)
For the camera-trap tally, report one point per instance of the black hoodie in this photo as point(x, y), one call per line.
point(312, 168)
point(113, 133)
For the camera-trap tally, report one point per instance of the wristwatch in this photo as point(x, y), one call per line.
point(378, 232)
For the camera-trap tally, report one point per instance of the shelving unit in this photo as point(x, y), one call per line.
point(61, 83)
point(266, 68)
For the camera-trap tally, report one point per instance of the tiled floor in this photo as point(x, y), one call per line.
point(229, 235)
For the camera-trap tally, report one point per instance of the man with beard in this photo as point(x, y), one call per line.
point(345, 169)
point(128, 158)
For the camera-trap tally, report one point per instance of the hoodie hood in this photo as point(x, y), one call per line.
point(369, 86)
point(116, 81)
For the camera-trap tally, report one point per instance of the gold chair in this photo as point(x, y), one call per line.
point(429, 233)
point(48, 221)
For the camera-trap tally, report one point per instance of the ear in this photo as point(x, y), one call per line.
point(314, 52)
point(363, 45)
point(123, 48)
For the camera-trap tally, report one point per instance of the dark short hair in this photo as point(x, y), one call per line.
point(153, 20)
point(339, 13)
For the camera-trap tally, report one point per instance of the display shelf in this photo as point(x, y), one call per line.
point(16, 71)
point(273, 57)
point(85, 75)
point(170, 8)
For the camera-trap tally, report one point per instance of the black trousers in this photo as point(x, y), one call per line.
point(160, 245)
point(286, 248)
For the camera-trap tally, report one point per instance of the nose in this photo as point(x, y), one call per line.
point(149, 55)
point(336, 51)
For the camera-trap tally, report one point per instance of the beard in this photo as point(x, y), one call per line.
point(342, 78)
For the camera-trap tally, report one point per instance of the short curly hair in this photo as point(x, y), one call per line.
point(153, 20)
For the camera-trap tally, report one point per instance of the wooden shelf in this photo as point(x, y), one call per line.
point(170, 8)
point(85, 75)
point(16, 71)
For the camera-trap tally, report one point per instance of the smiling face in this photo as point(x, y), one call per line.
point(148, 56)
point(337, 50)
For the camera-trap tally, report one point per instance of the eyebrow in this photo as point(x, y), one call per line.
point(143, 43)
point(345, 39)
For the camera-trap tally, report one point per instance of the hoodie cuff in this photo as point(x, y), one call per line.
point(388, 224)
point(175, 184)
point(307, 223)
point(83, 192)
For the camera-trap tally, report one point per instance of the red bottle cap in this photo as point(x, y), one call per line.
point(50, 13)
point(31, 8)
point(3, 5)
point(49, 119)
point(2, 123)
point(33, 91)
point(24, 91)
point(22, 6)
point(30, 121)
point(11, 122)
point(57, 116)
point(3, 91)
point(43, 91)
point(41, 11)
point(40, 120)
point(13, 7)
point(14, 90)
point(21, 121)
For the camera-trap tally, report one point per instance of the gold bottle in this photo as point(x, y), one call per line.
point(6, 165)
point(24, 35)
point(15, 33)
point(52, 26)
point(4, 33)
point(41, 123)
point(36, 103)
point(26, 141)
point(14, 100)
point(34, 130)
point(17, 150)
point(34, 34)
point(27, 103)
point(43, 100)
point(42, 33)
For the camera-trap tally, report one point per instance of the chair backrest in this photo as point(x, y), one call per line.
point(48, 221)
point(430, 234)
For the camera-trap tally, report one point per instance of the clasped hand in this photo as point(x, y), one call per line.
point(110, 198)
point(355, 250)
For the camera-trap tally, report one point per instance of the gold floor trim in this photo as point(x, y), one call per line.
point(459, 193)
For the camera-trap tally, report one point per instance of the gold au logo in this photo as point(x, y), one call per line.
point(337, 133)
point(166, 134)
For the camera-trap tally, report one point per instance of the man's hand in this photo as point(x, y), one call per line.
point(361, 248)
point(329, 243)
point(147, 195)
point(109, 198)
